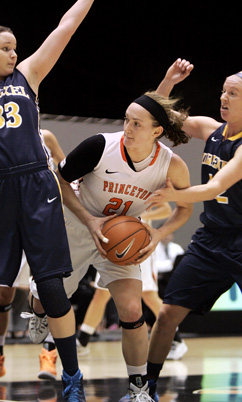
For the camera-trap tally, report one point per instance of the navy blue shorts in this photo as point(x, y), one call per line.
point(31, 219)
point(210, 266)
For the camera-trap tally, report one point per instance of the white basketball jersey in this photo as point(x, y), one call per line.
point(113, 187)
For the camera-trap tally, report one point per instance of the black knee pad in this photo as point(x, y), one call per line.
point(53, 297)
point(132, 325)
point(4, 309)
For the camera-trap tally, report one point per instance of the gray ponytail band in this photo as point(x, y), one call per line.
point(154, 108)
point(239, 75)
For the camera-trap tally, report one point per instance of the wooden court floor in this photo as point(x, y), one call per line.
point(211, 371)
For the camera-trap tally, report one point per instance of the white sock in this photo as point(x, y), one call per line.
point(88, 329)
point(133, 370)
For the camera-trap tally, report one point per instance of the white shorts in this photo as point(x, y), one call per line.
point(84, 253)
point(148, 275)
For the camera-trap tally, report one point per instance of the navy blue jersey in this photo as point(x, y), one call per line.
point(225, 211)
point(20, 141)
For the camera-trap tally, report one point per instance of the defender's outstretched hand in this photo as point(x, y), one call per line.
point(164, 194)
point(179, 70)
point(176, 73)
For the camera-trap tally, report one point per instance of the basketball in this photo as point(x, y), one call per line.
point(127, 235)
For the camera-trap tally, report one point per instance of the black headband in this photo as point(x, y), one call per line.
point(154, 108)
point(239, 75)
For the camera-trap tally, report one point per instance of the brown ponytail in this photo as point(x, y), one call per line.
point(173, 131)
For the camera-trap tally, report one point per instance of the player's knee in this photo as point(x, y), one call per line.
point(166, 319)
point(6, 295)
point(134, 324)
point(53, 297)
point(160, 320)
point(130, 311)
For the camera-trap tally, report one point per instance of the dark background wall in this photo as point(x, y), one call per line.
point(124, 47)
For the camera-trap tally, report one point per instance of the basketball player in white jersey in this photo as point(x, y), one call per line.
point(119, 172)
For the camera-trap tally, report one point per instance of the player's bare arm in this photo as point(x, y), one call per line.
point(54, 146)
point(176, 73)
point(222, 180)
point(38, 65)
point(198, 126)
point(180, 177)
point(162, 212)
point(93, 223)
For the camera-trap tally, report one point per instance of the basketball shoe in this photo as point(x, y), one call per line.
point(73, 387)
point(82, 350)
point(152, 390)
point(136, 394)
point(47, 361)
point(2, 368)
point(177, 351)
point(38, 327)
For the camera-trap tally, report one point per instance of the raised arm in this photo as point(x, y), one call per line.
point(38, 65)
point(176, 73)
point(195, 126)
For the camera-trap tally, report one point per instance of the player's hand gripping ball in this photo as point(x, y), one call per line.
point(127, 236)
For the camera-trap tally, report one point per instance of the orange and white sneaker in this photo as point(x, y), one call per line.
point(2, 368)
point(47, 364)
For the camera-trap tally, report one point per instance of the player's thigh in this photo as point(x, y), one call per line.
point(10, 238)
point(42, 226)
point(196, 283)
point(127, 295)
point(81, 249)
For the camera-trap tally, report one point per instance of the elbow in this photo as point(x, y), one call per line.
point(186, 210)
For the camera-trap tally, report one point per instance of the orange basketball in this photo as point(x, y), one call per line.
point(127, 235)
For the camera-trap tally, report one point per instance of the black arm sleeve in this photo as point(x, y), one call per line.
point(83, 158)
